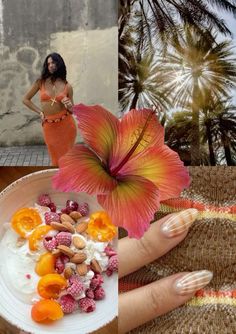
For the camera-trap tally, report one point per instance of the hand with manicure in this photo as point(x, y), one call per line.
point(165, 294)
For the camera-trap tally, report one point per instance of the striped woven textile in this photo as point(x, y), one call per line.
point(210, 244)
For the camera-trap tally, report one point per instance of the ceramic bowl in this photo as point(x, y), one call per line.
point(24, 192)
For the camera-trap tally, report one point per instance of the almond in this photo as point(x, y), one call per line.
point(82, 269)
point(58, 226)
point(75, 215)
point(67, 218)
point(68, 272)
point(56, 251)
point(70, 228)
point(81, 227)
point(78, 258)
point(95, 266)
point(79, 243)
point(66, 250)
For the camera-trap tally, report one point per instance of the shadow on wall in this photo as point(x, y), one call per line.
point(90, 54)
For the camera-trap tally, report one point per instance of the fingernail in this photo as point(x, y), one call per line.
point(179, 223)
point(193, 281)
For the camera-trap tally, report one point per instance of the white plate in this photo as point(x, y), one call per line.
point(24, 192)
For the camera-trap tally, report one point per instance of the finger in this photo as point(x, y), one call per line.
point(162, 236)
point(141, 305)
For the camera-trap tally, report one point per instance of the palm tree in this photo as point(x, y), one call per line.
point(194, 65)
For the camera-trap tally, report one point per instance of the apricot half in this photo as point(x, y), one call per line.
point(38, 233)
point(25, 220)
point(45, 310)
point(46, 264)
point(50, 285)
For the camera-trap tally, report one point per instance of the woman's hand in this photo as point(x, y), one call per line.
point(143, 304)
point(67, 103)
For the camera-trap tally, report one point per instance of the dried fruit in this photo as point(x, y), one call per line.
point(50, 285)
point(45, 310)
point(25, 220)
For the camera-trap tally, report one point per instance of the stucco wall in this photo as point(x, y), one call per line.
point(84, 32)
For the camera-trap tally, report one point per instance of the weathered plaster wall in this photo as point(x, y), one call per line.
point(84, 32)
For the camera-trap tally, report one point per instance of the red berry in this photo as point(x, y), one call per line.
point(44, 200)
point(109, 251)
point(96, 281)
point(99, 293)
point(60, 263)
point(52, 207)
point(76, 286)
point(84, 209)
point(113, 263)
point(51, 217)
point(50, 243)
point(68, 304)
point(87, 305)
point(66, 210)
point(89, 293)
point(72, 205)
point(64, 238)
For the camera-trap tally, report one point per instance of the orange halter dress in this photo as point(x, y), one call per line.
point(59, 129)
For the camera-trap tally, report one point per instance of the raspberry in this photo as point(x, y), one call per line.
point(64, 238)
point(109, 251)
point(109, 272)
point(72, 205)
point(52, 207)
point(96, 281)
point(113, 263)
point(89, 293)
point(51, 217)
point(84, 209)
point(99, 293)
point(50, 243)
point(87, 305)
point(44, 200)
point(68, 304)
point(66, 210)
point(60, 263)
point(76, 286)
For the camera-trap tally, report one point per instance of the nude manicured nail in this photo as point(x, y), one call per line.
point(179, 223)
point(193, 281)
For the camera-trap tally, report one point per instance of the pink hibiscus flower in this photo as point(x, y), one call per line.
point(125, 163)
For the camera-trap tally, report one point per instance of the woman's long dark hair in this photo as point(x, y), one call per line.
point(60, 71)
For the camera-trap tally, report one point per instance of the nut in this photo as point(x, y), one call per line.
point(67, 218)
point(81, 227)
point(56, 251)
point(95, 266)
point(58, 226)
point(68, 272)
point(78, 258)
point(82, 269)
point(66, 250)
point(70, 228)
point(75, 215)
point(20, 242)
point(79, 243)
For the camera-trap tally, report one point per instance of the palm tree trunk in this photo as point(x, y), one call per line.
point(210, 144)
point(226, 146)
point(195, 138)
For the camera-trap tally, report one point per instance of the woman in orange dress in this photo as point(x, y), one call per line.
point(56, 96)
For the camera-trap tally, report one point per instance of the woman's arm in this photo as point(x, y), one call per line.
point(68, 101)
point(29, 95)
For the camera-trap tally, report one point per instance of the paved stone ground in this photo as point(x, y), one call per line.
point(24, 156)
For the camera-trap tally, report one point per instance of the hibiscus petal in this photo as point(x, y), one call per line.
point(81, 170)
point(137, 130)
point(163, 167)
point(98, 127)
point(132, 204)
